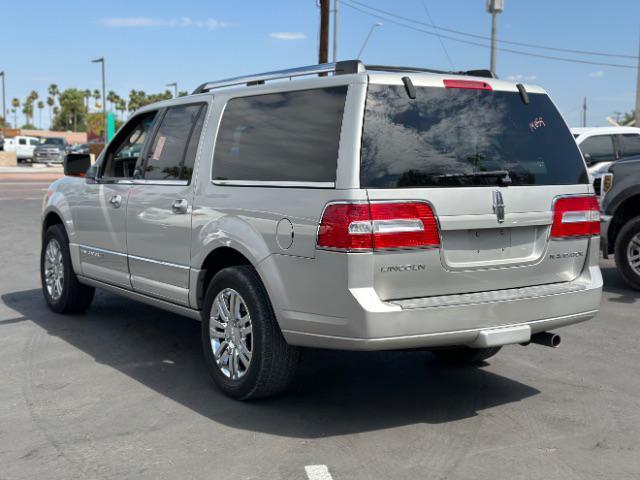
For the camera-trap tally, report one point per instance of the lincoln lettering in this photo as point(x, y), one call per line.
point(402, 268)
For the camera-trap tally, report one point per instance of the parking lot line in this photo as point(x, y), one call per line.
point(318, 472)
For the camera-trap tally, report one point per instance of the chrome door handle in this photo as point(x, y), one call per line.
point(180, 206)
point(116, 201)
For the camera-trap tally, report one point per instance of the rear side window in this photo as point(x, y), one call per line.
point(449, 137)
point(22, 141)
point(629, 144)
point(166, 158)
point(281, 137)
point(599, 148)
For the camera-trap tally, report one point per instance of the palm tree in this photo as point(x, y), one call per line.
point(112, 98)
point(54, 91)
point(96, 97)
point(15, 103)
point(87, 96)
point(50, 103)
point(32, 97)
point(40, 107)
point(121, 106)
point(27, 110)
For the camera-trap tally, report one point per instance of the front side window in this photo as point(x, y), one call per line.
point(598, 149)
point(281, 137)
point(629, 144)
point(449, 137)
point(22, 141)
point(167, 155)
point(123, 152)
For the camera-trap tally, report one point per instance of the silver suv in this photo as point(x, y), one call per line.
point(336, 206)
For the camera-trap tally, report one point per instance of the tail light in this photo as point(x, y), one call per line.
point(466, 84)
point(378, 226)
point(576, 217)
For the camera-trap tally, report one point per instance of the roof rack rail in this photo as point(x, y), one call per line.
point(338, 68)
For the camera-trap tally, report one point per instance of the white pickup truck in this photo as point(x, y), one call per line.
point(23, 146)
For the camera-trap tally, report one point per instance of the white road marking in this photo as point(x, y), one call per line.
point(318, 472)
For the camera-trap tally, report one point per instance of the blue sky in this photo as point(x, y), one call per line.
point(148, 44)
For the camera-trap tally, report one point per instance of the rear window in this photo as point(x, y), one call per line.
point(630, 144)
point(456, 137)
point(281, 137)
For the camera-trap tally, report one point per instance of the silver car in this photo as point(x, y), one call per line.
point(367, 208)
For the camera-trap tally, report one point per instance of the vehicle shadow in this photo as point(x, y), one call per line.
point(613, 283)
point(335, 393)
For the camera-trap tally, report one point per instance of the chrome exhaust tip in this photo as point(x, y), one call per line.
point(547, 339)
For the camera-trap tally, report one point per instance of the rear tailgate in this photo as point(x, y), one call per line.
point(491, 166)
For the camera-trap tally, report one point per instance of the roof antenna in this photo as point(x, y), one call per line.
point(523, 93)
point(408, 86)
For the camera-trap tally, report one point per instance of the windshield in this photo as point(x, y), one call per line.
point(457, 137)
point(53, 141)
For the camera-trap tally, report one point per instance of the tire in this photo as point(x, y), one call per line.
point(465, 355)
point(70, 296)
point(272, 362)
point(627, 251)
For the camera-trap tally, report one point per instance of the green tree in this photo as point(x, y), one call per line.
point(112, 98)
point(50, 103)
point(183, 93)
point(15, 104)
point(138, 98)
point(54, 91)
point(121, 106)
point(40, 107)
point(96, 97)
point(27, 110)
point(87, 96)
point(72, 114)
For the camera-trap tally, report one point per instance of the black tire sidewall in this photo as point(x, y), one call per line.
point(628, 231)
point(245, 282)
point(58, 233)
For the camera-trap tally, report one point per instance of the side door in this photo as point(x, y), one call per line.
point(160, 206)
point(22, 148)
point(99, 210)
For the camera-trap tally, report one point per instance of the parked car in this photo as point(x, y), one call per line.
point(601, 146)
point(378, 208)
point(23, 146)
point(620, 214)
point(51, 150)
point(82, 148)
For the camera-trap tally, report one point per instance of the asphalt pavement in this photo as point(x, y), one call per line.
point(122, 392)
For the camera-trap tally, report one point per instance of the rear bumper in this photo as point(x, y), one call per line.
point(358, 320)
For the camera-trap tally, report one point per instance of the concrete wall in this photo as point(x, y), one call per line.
point(8, 159)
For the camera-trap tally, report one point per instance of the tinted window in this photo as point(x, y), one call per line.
point(125, 149)
point(22, 141)
point(600, 148)
point(166, 156)
point(192, 148)
point(33, 142)
point(455, 137)
point(288, 136)
point(53, 141)
point(630, 144)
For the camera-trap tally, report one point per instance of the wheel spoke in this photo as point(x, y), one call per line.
point(221, 306)
point(216, 333)
point(244, 355)
point(222, 348)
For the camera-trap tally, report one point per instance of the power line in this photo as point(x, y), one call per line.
point(426, 10)
point(483, 37)
point(469, 42)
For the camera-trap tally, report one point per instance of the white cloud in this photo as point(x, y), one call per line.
point(597, 74)
point(144, 22)
point(288, 35)
point(519, 77)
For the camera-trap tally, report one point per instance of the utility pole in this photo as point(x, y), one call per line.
point(637, 91)
point(494, 7)
point(323, 54)
point(4, 109)
point(584, 112)
point(335, 30)
point(104, 101)
point(175, 88)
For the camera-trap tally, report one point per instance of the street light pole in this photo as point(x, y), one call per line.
point(104, 102)
point(366, 40)
point(4, 108)
point(175, 88)
point(494, 7)
point(335, 30)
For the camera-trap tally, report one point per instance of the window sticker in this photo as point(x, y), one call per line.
point(536, 124)
point(157, 152)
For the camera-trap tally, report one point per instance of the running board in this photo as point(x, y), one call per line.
point(140, 297)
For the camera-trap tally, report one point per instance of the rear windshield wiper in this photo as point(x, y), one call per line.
point(502, 175)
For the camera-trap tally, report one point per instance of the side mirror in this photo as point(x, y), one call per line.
point(587, 158)
point(77, 164)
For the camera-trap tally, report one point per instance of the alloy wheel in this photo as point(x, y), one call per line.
point(54, 270)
